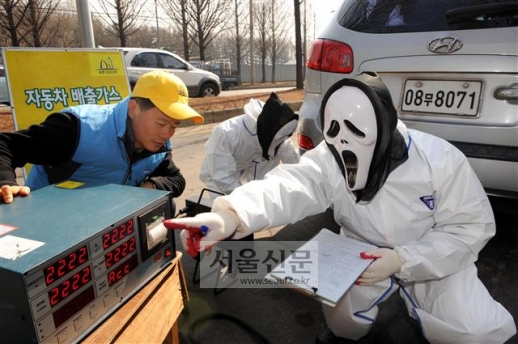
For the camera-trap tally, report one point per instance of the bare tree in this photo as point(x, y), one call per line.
point(170, 39)
point(146, 38)
point(279, 29)
point(304, 35)
point(272, 21)
point(273, 50)
point(298, 47)
point(263, 30)
point(126, 20)
point(236, 37)
point(12, 17)
point(62, 29)
point(25, 21)
point(204, 20)
point(308, 23)
point(39, 13)
point(177, 11)
point(39, 23)
point(102, 37)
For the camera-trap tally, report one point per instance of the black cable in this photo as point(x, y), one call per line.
point(183, 211)
point(260, 338)
point(209, 317)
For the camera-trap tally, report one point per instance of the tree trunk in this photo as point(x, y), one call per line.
point(274, 43)
point(185, 36)
point(263, 69)
point(122, 34)
point(298, 47)
point(238, 41)
point(34, 24)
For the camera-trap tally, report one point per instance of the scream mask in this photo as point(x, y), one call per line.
point(275, 124)
point(359, 123)
point(350, 128)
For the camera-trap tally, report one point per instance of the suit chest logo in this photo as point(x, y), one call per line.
point(429, 201)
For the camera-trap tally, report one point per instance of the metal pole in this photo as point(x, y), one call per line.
point(157, 29)
point(85, 24)
point(251, 43)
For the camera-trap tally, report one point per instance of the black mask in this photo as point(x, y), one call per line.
point(274, 116)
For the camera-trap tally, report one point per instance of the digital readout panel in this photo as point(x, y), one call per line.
point(120, 252)
point(70, 309)
point(64, 265)
point(84, 270)
point(117, 234)
point(122, 270)
point(69, 286)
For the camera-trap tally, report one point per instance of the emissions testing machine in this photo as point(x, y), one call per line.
point(71, 256)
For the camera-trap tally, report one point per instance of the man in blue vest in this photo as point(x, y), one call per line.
point(126, 143)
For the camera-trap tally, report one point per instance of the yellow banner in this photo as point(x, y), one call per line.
point(44, 81)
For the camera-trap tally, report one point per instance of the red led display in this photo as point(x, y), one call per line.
point(122, 270)
point(65, 265)
point(68, 287)
point(120, 252)
point(69, 309)
point(117, 234)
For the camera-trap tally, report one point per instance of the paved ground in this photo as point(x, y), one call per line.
point(285, 316)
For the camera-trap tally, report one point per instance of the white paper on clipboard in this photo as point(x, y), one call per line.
point(339, 266)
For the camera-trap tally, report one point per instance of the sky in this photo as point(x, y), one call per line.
point(324, 11)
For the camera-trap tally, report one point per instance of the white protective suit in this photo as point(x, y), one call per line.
point(234, 154)
point(431, 209)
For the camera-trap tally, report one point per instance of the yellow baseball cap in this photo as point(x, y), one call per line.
point(168, 93)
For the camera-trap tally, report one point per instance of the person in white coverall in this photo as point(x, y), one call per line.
point(246, 147)
point(413, 195)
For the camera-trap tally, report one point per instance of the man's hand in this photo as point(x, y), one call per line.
point(10, 191)
point(204, 230)
point(148, 185)
point(386, 263)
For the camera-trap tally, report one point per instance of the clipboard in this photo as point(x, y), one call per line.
point(339, 266)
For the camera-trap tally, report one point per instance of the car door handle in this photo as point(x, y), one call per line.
point(506, 93)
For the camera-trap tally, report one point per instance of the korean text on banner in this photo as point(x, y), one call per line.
point(44, 81)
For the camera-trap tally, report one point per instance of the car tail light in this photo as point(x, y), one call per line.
point(330, 56)
point(305, 142)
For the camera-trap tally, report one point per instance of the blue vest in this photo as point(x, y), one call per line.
point(100, 152)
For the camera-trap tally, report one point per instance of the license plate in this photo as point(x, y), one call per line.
point(442, 97)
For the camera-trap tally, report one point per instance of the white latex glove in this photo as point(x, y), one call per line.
point(386, 263)
point(204, 230)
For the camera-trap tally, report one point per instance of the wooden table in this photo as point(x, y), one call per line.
point(151, 315)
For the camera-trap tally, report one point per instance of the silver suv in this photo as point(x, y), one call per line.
point(4, 95)
point(199, 82)
point(451, 67)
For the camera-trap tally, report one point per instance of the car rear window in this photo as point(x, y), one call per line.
point(389, 16)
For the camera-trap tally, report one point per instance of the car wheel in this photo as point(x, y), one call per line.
point(208, 90)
